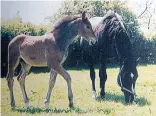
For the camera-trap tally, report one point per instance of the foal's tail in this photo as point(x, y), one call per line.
point(14, 54)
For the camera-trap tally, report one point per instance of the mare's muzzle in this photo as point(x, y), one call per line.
point(129, 94)
point(129, 97)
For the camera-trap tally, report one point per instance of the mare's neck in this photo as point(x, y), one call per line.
point(123, 45)
point(64, 36)
point(124, 53)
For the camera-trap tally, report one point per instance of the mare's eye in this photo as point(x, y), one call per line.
point(87, 27)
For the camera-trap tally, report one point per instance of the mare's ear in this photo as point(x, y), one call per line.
point(84, 15)
point(138, 61)
point(124, 61)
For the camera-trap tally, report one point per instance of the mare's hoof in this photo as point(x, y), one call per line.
point(94, 95)
point(133, 103)
point(102, 95)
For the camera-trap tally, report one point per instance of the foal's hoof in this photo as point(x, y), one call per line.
point(27, 105)
point(94, 95)
point(13, 106)
point(47, 106)
point(46, 102)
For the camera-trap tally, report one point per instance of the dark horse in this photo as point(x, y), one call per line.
point(109, 31)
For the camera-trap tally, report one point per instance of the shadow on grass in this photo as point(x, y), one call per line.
point(34, 110)
point(83, 67)
point(46, 69)
point(119, 98)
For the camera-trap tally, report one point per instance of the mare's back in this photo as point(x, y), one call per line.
point(95, 21)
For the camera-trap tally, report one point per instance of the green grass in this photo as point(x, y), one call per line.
point(112, 105)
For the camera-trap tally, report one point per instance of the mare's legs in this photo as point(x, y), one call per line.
point(92, 77)
point(52, 80)
point(103, 78)
point(21, 78)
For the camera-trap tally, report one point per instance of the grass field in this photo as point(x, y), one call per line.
point(112, 105)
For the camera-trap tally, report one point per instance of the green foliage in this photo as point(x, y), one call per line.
point(95, 8)
point(41, 31)
point(99, 8)
point(154, 37)
point(11, 28)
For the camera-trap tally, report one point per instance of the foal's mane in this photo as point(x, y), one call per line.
point(64, 22)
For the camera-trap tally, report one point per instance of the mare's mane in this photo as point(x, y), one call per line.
point(112, 23)
point(112, 30)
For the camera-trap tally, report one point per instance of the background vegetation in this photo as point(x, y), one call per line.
point(12, 28)
point(142, 47)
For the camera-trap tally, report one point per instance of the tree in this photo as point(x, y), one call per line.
point(148, 14)
point(99, 8)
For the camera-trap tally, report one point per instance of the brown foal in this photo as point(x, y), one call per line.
point(48, 50)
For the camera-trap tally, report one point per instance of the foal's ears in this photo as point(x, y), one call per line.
point(84, 15)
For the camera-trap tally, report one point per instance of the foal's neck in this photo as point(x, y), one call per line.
point(64, 36)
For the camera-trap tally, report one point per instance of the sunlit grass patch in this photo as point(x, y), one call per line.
point(112, 105)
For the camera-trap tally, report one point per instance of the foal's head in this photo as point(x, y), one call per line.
point(85, 29)
point(127, 78)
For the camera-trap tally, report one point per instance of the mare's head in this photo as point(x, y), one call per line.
point(127, 78)
point(85, 29)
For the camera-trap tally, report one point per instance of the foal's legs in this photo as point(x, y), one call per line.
point(67, 77)
point(103, 78)
point(52, 80)
point(13, 61)
point(21, 79)
point(10, 82)
point(92, 77)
